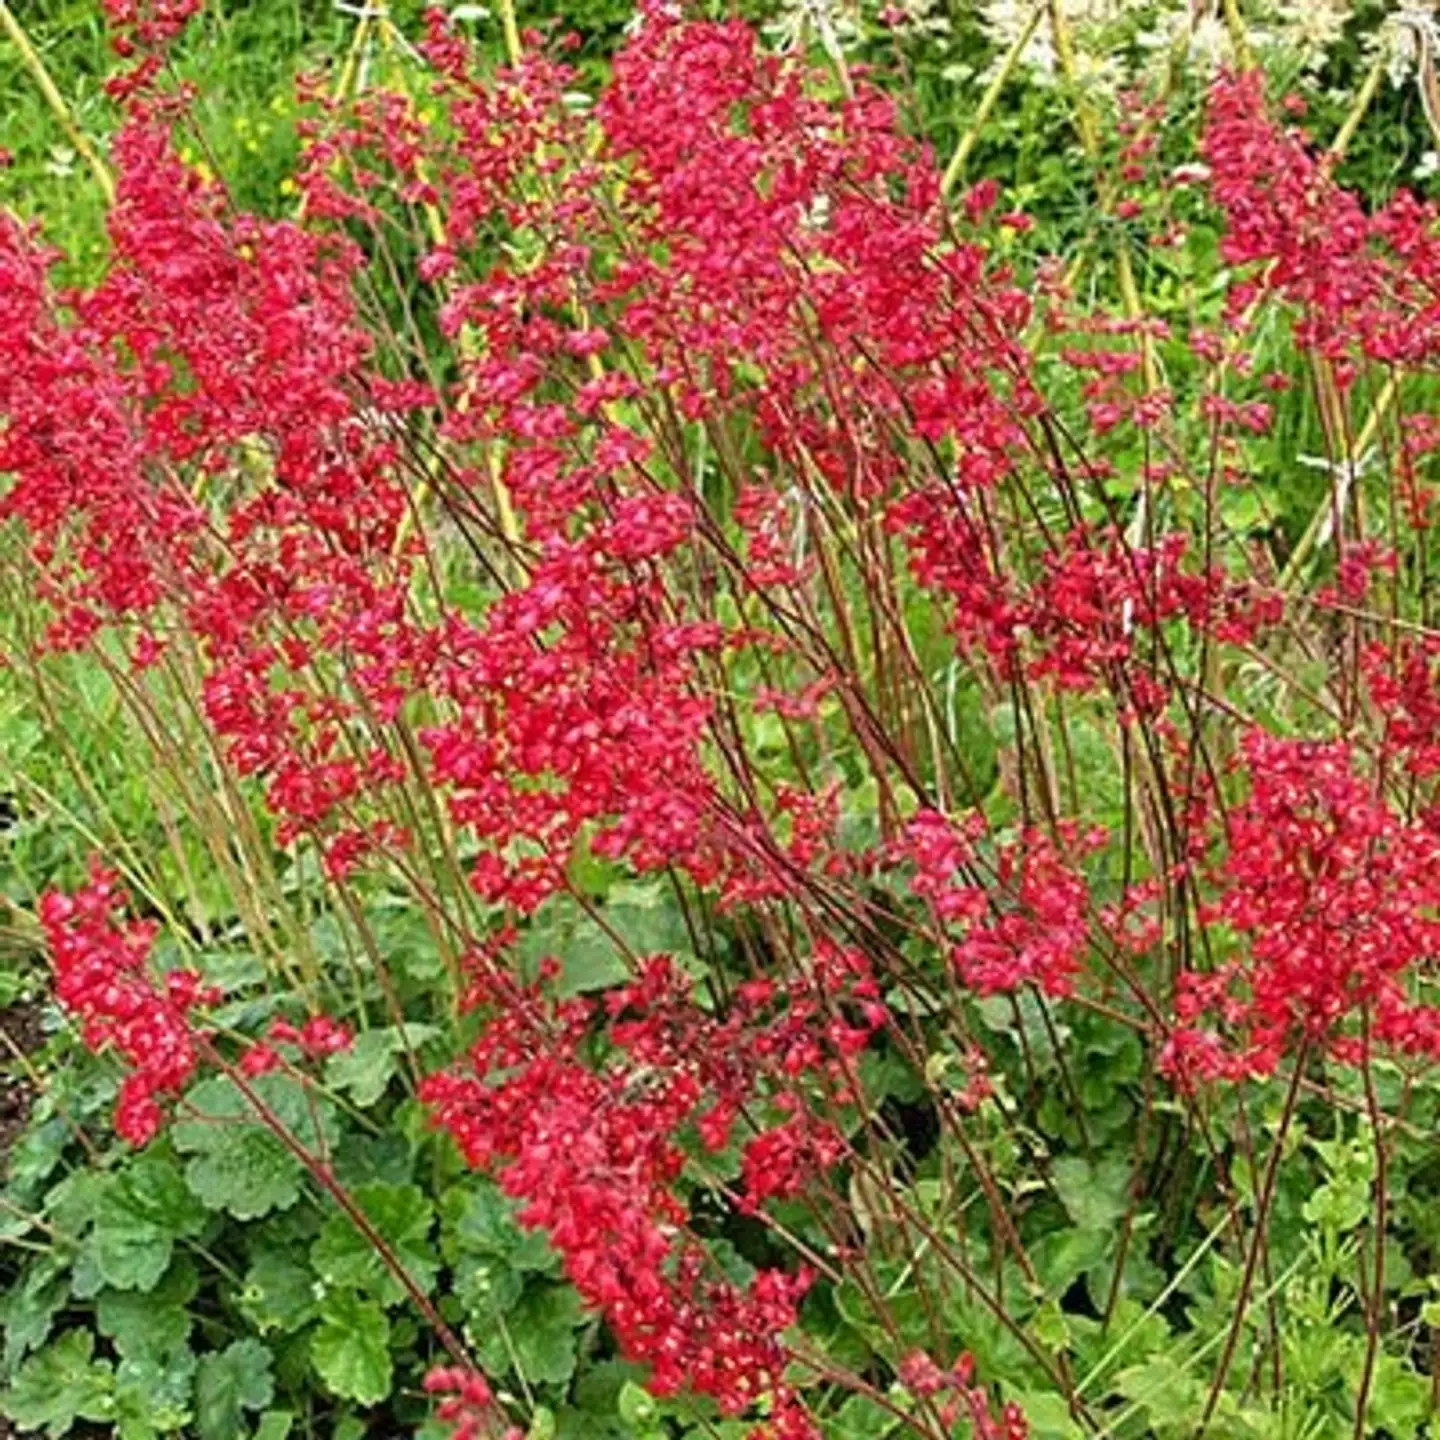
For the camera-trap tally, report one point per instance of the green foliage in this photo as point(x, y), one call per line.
point(139, 1215)
point(351, 1348)
point(154, 1325)
point(236, 1163)
point(228, 1383)
point(61, 1384)
point(403, 1217)
point(365, 1070)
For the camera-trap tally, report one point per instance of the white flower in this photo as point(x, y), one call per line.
point(1006, 20)
point(1310, 27)
point(1403, 33)
point(1209, 44)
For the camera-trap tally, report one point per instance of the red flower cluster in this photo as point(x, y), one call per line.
point(470, 1406)
point(101, 976)
point(317, 1038)
point(960, 1398)
point(1023, 916)
point(1336, 898)
point(595, 1155)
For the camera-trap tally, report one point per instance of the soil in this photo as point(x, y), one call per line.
point(21, 1024)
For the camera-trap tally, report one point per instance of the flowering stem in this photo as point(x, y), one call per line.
point(353, 53)
point(1262, 1216)
point(1375, 1309)
point(1089, 141)
point(1236, 26)
point(1324, 513)
point(1065, 54)
point(324, 1176)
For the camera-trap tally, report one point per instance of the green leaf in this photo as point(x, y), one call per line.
point(237, 1164)
point(366, 1068)
point(486, 1284)
point(37, 1152)
point(478, 1218)
point(231, 970)
point(274, 1425)
point(365, 1159)
point(1399, 1398)
point(1023, 1016)
point(149, 1326)
point(248, 1173)
point(153, 1397)
point(230, 1382)
point(1048, 1416)
point(279, 1291)
point(636, 1405)
point(30, 1307)
point(860, 1418)
point(70, 1205)
point(1067, 1252)
point(402, 1215)
point(1340, 1205)
point(1094, 1196)
point(537, 1336)
point(645, 919)
point(61, 1384)
point(589, 959)
point(139, 1216)
point(351, 1349)
point(1049, 1327)
point(1164, 1389)
point(905, 1314)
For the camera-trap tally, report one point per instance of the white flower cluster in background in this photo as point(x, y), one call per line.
point(1192, 32)
point(1310, 28)
point(1006, 20)
point(1119, 43)
point(841, 23)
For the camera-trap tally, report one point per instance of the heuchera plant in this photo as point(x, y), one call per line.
point(631, 486)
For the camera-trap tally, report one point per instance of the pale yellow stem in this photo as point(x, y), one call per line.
point(1087, 129)
point(956, 168)
point(1238, 38)
point(511, 28)
point(1065, 54)
point(352, 58)
point(435, 224)
point(30, 58)
point(1363, 98)
point(1324, 512)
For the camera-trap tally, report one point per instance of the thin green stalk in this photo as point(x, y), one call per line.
point(30, 58)
point(511, 28)
point(325, 1178)
point(1310, 540)
point(1363, 98)
point(956, 168)
point(1153, 1392)
point(1238, 38)
point(1065, 54)
point(1176, 1281)
point(1262, 1221)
